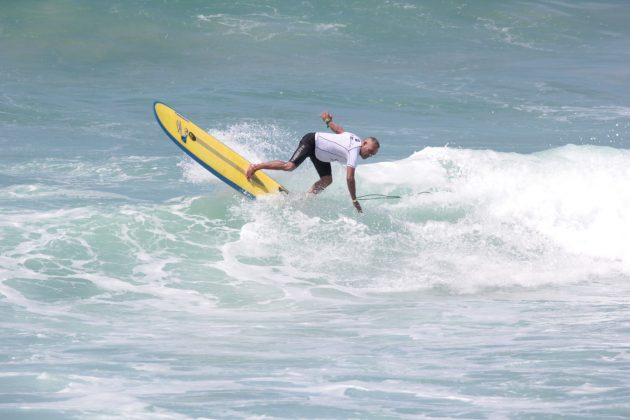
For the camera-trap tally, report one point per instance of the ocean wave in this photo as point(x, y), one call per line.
point(492, 220)
point(466, 221)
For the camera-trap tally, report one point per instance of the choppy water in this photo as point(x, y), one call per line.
point(135, 285)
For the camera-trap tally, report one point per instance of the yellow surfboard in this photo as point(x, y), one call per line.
point(213, 155)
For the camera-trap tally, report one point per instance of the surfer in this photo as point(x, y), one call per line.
point(323, 148)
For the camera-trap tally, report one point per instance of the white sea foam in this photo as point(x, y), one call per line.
point(569, 113)
point(195, 173)
point(571, 198)
point(258, 29)
point(491, 220)
point(324, 27)
point(256, 142)
point(103, 172)
point(507, 34)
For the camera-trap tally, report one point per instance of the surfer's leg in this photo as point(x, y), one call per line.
point(275, 165)
point(304, 150)
point(321, 185)
point(324, 171)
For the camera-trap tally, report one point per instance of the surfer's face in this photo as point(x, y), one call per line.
point(368, 148)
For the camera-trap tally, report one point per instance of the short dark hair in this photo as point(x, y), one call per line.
point(375, 140)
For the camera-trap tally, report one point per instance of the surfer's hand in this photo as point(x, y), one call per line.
point(326, 116)
point(357, 206)
point(250, 171)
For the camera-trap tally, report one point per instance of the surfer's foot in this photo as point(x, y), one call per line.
point(250, 171)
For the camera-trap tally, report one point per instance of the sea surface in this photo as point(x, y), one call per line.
point(135, 285)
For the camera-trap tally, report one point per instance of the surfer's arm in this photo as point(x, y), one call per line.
point(327, 118)
point(352, 188)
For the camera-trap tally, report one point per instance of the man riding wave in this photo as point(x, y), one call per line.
point(322, 148)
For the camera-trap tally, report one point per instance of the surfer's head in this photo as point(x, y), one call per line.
point(369, 147)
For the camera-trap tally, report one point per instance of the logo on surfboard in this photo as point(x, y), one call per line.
point(184, 134)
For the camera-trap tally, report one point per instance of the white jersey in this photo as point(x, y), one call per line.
point(344, 147)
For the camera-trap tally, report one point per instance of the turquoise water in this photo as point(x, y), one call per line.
point(135, 285)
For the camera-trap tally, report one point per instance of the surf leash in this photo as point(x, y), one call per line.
point(377, 197)
point(386, 197)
